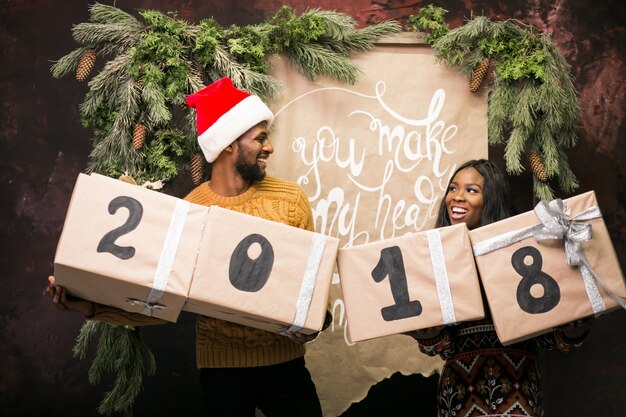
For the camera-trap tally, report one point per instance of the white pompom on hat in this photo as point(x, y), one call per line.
point(223, 113)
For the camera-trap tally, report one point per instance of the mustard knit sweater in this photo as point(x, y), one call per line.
point(221, 344)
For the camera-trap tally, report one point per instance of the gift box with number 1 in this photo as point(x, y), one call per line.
point(548, 267)
point(411, 282)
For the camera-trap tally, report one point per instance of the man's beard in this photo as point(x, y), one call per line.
point(249, 172)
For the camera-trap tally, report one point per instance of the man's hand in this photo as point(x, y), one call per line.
point(63, 301)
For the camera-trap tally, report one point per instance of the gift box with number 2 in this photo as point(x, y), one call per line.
point(129, 247)
point(548, 267)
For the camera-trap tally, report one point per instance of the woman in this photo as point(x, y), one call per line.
point(481, 376)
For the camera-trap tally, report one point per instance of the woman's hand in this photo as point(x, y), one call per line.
point(428, 333)
point(577, 329)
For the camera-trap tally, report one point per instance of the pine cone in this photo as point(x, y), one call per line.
point(85, 64)
point(197, 169)
point(127, 178)
point(139, 135)
point(537, 167)
point(478, 75)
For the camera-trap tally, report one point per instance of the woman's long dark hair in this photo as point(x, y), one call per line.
point(497, 202)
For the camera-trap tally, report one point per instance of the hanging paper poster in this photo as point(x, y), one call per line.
point(374, 159)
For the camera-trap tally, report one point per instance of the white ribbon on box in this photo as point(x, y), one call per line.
point(555, 224)
point(308, 284)
point(441, 276)
point(166, 260)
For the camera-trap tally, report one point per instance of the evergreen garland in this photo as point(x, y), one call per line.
point(155, 61)
point(533, 105)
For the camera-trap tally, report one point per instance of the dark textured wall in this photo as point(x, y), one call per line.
point(43, 147)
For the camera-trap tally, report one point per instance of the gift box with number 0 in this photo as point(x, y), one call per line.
point(129, 247)
point(262, 273)
point(412, 282)
point(548, 267)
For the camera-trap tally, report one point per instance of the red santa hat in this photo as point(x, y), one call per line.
point(223, 113)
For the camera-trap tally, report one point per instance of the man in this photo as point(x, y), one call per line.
point(241, 368)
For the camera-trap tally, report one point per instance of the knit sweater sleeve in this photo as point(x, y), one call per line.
point(434, 343)
point(303, 213)
point(562, 338)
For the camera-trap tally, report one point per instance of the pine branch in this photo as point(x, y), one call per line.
point(87, 332)
point(363, 40)
point(102, 13)
point(263, 85)
point(154, 101)
point(121, 350)
point(454, 47)
point(190, 132)
point(542, 190)
point(108, 38)
point(431, 20)
point(567, 180)
point(67, 64)
point(565, 99)
point(514, 149)
point(105, 354)
point(113, 154)
point(338, 25)
point(194, 80)
point(110, 75)
point(548, 149)
point(502, 98)
point(315, 60)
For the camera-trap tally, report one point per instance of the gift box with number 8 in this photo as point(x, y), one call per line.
point(545, 268)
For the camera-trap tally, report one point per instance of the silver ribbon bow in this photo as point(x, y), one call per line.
point(555, 224)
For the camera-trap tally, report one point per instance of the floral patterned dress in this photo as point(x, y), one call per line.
point(481, 377)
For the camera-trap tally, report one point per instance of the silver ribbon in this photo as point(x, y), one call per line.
point(555, 224)
point(308, 284)
point(134, 301)
point(166, 260)
point(441, 276)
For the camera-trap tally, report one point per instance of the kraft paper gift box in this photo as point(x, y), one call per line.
point(530, 288)
point(129, 247)
point(416, 281)
point(262, 273)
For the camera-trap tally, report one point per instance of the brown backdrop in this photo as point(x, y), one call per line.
point(43, 147)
